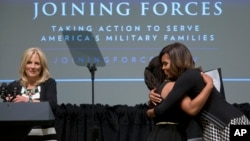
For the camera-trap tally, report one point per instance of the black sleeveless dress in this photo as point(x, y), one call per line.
point(171, 126)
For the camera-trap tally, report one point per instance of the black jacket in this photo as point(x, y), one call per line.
point(48, 91)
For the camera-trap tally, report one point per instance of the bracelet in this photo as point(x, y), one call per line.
point(30, 99)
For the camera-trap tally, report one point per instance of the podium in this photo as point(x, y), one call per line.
point(17, 119)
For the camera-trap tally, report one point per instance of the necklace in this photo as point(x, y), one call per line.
point(30, 92)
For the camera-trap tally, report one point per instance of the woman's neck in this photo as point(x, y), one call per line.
point(31, 84)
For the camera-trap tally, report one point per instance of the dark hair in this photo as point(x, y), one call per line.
point(181, 59)
point(153, 74)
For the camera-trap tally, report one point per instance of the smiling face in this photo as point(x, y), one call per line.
point(176, 58)
point(166, 62)
point(33, 67)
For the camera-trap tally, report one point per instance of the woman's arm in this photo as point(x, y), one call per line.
point(188, 105)
point(190, 80)
point(192, 107)
point(50, 92)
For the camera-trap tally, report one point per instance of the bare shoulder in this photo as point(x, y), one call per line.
point(166, 89)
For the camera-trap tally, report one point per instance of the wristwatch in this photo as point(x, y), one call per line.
point(30, 99)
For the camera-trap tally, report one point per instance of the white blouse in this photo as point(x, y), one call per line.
point(36, 95)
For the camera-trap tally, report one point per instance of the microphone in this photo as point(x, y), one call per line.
point(3, 90)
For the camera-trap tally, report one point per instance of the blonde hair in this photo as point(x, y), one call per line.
point(44, 75)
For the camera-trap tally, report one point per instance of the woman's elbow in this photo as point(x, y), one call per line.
point(192, 111)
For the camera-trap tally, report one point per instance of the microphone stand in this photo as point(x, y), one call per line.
point(96, 128)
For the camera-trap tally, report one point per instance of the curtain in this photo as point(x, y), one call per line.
point(98, 122)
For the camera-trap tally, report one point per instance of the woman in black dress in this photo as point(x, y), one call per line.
point(172, 124)
point(216, 115)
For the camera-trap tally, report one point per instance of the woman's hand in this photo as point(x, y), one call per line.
point(208, 80)
point(20, 98)
point(154, 97)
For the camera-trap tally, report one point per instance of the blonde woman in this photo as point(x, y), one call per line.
point(35, 84)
